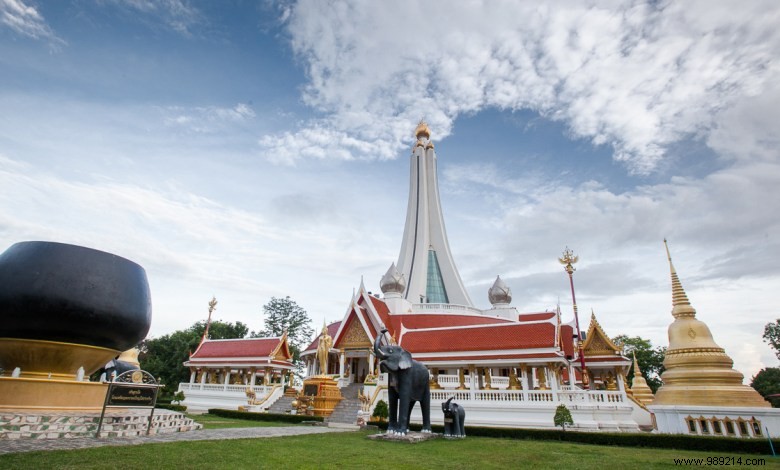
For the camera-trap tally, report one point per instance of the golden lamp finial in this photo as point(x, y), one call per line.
point(568, 259)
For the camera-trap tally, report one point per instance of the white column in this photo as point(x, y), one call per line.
point(192, 376)
point(371, 362)
point(572, 377)
point(620, 383)
point(342, 359)
point(203, 375)
point(227, 377)
point(253, 378)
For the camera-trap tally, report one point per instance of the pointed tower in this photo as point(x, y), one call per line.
point(642, 392)
point(698, 371)
point(425, 260)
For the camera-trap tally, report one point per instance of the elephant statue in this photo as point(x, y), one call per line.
point(115, 367)
point(454, 419)
point(407, 383)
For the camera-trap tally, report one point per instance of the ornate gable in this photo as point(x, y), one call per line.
point(597, 342)
point(282, 350)
point(354, 335)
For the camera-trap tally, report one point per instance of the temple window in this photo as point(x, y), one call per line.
point(756, 427)
point(743, 429)
point(691, 425)
point(705, 429)
point(716, 428)
point(729, 427)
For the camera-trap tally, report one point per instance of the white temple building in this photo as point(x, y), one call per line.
point(505, 367)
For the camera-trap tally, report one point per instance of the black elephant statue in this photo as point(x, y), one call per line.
point(407, 383)
point(454, 419)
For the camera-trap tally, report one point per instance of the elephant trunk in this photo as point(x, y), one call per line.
point(377, 348)
point(448, 402)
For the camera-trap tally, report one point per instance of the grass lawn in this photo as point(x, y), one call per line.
point(210, 421)
point(354, 450)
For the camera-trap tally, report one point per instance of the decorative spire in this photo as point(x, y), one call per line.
point(392, 282)
point(422, 130)
point(500, 293)
point(212, 307)
point(681, 306)
point(641, 392)
point(637, 372)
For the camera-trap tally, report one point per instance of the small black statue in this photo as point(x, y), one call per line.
point(454, 419)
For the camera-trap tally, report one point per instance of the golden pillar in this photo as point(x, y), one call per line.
point(461, 379)
point(488, 385)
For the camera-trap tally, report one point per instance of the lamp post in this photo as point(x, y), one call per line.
point(567, 260)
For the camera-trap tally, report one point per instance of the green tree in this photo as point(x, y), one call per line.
point(284, 314)
point(164, 357)
point(651, 360)
point(380, 411)
point(563, 417)
point(767, 382)
point(772, 336)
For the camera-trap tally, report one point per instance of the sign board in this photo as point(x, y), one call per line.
point(131, 389)
point(311, 389)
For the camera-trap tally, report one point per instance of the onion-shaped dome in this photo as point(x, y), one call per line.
point(392, 281)
point(422, 130)
point(500, 293)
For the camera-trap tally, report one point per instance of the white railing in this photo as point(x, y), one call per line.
point(452, 381)
point(450, 308)
point(532, 397)
point(259, 389)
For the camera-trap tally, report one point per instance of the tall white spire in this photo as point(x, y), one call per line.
point(425, 260)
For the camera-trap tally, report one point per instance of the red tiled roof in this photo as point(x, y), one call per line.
point(417, 321)
point(480, 338)
point(333, 328)
point(567, 338)
point(536, 316)
point(245, 347)
point(550, 355)
point(384, 313)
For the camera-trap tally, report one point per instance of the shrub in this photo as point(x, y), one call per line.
point(562, 417)
point(168, 406)
point(380, 410)
point(248, 415)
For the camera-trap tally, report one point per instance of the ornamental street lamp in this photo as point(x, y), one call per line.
point(567, 260)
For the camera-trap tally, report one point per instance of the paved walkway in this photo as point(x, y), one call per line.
point(8, 446)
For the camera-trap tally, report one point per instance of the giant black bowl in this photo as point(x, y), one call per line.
point(57, 292)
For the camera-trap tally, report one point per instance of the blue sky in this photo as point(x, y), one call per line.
point(255, 149)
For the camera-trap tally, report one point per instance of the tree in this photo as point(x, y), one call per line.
point(767, 382)
point(380, 411)
point(651, 360)
point(281, 314)
point(164, 357)
point(563, 417)
point(772, 336)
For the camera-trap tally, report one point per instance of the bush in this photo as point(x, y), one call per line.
point(168, 406)
point(380, 410)
point(562, 417)
point(248, 415)
point(660, 441)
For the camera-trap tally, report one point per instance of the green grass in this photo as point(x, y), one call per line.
point(210, 421)
point(354, 450)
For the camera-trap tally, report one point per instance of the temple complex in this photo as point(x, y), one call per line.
point(702, 393)
point(507, 368)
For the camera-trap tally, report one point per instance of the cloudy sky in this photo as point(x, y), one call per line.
point(248, 150)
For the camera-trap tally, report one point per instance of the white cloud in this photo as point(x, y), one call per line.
point(637, 76)
point(206, 119)
point(27, 21)
point(178, 15)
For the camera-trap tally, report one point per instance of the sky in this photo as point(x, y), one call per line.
point(245, 150)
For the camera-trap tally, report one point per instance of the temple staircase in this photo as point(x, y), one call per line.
point(347, 409)
point(282, 405)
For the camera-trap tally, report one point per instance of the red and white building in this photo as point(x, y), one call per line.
point(222, 371)
point(505, 367)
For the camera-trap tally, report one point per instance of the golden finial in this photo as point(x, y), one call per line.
point(212, 304)
point(637, 372)
point(568, 259)
point(681, 306)
point(422, 130)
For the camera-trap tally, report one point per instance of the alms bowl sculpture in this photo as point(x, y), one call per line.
point(63, 307)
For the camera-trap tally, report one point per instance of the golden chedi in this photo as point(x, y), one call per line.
point(641, 391)
point(698, 371)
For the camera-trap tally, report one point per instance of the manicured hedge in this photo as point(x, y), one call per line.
point(285, 418)
point(169, 406)
point(661, 441)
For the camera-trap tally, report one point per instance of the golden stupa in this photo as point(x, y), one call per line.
point(698, 371)
point(641, 391)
